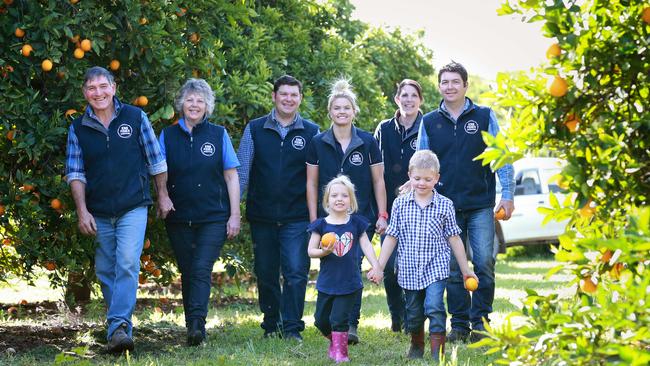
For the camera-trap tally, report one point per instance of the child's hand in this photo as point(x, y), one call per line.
point(375, 275)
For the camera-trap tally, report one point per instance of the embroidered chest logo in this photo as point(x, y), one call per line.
point(343, 244)
point(207, 149)
point(471, 127)
point(124, 131)
point(356, 158)
point(414, 144)
point(298, 142)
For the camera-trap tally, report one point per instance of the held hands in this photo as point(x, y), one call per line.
point(233, 225)
point(375, 275)
point(165, 206)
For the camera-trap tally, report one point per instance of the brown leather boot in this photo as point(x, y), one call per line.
point(437, 345)
point(417, 345)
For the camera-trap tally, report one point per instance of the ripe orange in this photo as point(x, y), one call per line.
point(70, 112)
point(645, 15)
point(2, 210)
point(195, 38)
point(6, 242)
point(56, 204)
point(142, 101)
point(79, 53)
point(471, 284)
point(156, 272)
point(558, 87)
point(327, 240)
point(572, 122)
point(143, 21)
point(26, 50)
point(86, 45)
point(11, 135)
point(501, 214)
point(19, 33)
point(114, 65)
point(46, 65)
point(145, 258)
point(587, 285)
point(587, 210)
point(50, 266)
point(553, 51)
point(74, 1)
point(27, 187)
point(147, 244)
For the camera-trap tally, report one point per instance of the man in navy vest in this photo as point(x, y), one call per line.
point(111, 152)
point(272, 153)
point(453, 132)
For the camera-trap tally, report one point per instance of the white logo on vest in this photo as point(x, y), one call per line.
point(356, 158)
point(124, 131)
point(298, 143)
point(207, 149)
point(471, 127)
point(414, 144)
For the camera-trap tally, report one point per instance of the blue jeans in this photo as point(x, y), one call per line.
point(394, 293)
point(281, 249)
point(425, 304)
point(196, 248)
point(117, 264)
point(355, 311)
point(478, 227)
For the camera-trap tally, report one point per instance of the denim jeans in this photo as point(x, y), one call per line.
point(425, 304)
point(281, 249)
point(333, 311)
point(394, 293)
point(196, 248)
point(478, 228)
point(355, 311)
point(117, 264)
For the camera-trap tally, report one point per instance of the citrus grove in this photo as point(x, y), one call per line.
point(152, 47)
point(588, 105)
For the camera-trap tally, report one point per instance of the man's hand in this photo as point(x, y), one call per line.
point(508, 206)
point(87, 224)
point(165, 206)
point(232, 226)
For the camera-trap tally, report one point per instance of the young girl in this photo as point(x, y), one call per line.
point(339, 280)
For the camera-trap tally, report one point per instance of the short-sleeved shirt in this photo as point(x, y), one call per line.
point(423, 251)
point(339, 271)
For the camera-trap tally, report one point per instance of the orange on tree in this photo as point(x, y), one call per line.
point(19, 33)
point(327, 240)
point(141, 101)
point(6, 242)
point(588, 286)
point(70, 112)
point(46, 65)
point(56, 204)
point(50, 266)
point(645, 15)
point(501, 214)
point(78, 53)
point(27, 187)
point(143, 21)
point(558, 87)
point(2, 210)
point(471, 284)
point(553, 51)
point(572, 122)
point(114, 65)
point(195, 38)
point(26, 50)
point(74, 1)
point(156, 272)
point(86, 45)
point(588, 210)
point(145, 258)
point(11, 134)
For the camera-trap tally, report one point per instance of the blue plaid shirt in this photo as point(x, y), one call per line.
point(74, 167)
point(422, 234)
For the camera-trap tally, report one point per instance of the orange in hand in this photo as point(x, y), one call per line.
point(471, 284)
point(327, 241)
point(500, 214)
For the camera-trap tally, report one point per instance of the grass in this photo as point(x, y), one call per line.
point(235, 337)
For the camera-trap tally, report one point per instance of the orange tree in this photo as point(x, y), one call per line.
point(152, 46)
point(589, 105)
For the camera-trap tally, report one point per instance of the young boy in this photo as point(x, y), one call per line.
point(423, 221)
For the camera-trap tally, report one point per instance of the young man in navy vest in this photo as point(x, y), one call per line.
point(111, 152)
point(453, 132)
point(272, 153)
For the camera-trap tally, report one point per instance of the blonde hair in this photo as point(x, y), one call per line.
point(424, 159)
point(347, 183)
point(342, 89)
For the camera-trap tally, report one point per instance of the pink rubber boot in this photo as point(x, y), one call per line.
point(340, 343)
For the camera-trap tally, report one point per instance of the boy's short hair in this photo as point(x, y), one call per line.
point(454, 67)
point(287, 80)
point(424, 159)
point(344, 180)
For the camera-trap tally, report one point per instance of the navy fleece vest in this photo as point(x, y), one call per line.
point(355, 163)
point(195, 174)
point(397, 152)
point(465, 181)
point(116, 174)
point(277, 188)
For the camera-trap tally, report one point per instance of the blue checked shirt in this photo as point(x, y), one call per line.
point(422, 234)
point(506, 173)
point(74, 167)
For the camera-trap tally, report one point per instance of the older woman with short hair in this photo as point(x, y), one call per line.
point(204, 187)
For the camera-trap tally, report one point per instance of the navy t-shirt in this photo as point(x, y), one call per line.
point(339, 271)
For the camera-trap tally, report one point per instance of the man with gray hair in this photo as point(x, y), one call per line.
point(111, 151)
